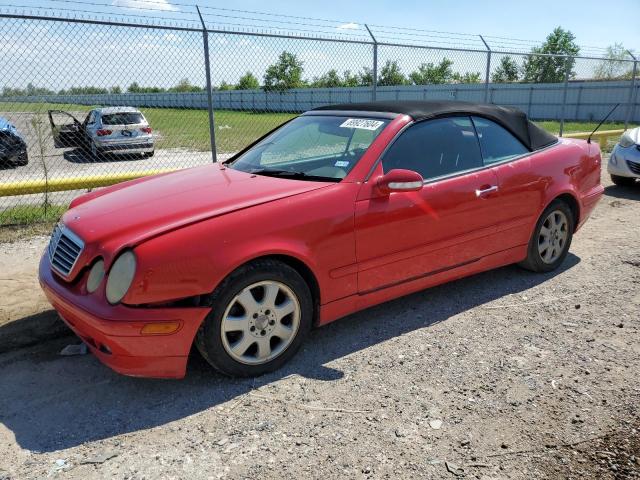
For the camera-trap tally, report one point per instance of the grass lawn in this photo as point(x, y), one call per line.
point(574, 127)
point(26, 214)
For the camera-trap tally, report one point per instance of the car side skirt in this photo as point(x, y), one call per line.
point(345, 306)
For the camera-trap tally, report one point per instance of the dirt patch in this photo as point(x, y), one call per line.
point(19, 287)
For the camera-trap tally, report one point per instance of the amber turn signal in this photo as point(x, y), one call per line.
point(163, 328)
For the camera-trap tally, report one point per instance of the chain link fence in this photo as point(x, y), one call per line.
point(87, 103)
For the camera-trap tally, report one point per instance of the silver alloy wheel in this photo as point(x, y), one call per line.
point(260, 322)
point(553, 236)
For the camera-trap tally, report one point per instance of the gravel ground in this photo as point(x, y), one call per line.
point(507, 374)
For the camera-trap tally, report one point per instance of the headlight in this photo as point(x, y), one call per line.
point(121, 276)
point(95, 276)
point(626, 141)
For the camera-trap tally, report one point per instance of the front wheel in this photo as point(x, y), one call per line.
point(623, 181)
point(260, 316)
point(551, 239)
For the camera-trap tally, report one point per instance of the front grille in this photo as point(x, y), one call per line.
point(64, 249)
point(634, 167)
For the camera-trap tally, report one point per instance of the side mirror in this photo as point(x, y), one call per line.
point(399, 180)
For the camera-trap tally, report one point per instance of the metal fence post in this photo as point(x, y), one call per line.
point(488, 71)
point(631, 102)
point(374, 73)
point(567, 67)
point(207, 66)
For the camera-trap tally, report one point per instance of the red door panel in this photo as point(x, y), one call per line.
point(403, 236)
point(521, 192)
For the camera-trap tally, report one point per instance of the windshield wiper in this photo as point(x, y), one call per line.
point(291, 174)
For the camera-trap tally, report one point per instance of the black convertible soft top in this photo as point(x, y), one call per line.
point(514, 120)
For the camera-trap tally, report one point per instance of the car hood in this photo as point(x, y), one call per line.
point(126, 214)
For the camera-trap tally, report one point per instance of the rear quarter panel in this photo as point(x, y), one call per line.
point(571, 167)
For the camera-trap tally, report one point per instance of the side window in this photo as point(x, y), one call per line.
point(496, 143)
point(434, 148)
point(91, 118)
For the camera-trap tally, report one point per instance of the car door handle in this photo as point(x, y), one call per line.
point(486, 190)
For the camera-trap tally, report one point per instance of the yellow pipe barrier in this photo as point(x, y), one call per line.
point(602, 136)
point(27, 187)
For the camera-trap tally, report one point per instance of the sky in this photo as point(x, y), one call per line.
point(595, 23)
point(62, 55)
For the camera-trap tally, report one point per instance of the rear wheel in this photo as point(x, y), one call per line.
point(551, 239)
point(260, 316)
point(623, 181)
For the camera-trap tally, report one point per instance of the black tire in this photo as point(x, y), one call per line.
point(623, 181)
point(22, 160)
point(534, 261)
point(209, 339)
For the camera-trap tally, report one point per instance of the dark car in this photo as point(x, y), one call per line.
point(13, 148)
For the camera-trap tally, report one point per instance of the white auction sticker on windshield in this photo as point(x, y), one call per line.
point(362, 123)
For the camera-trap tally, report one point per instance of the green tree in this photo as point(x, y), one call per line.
point(225, 86)
point(542, 69)
point(466, 77)
point(115, 89)
point(285, 74)
point(331, 79)
point(614, 67)
point(365, 77)
point(136, 88)
point(391, 74)
point(34, 90)
point(12, 92)
point(430, 74)
point(350, 79)
point(507, 71)
point(248, 82)
point(185, 86)
point(88, 90)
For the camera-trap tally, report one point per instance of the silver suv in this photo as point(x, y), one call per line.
point(108, 130)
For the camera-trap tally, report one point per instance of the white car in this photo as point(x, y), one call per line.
point(624, 162)
point(108, 130)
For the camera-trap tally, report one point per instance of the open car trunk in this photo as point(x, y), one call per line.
point(65, 129)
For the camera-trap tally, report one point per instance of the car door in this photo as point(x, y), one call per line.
point(448, 223)
point(66, 130)
point(521, 189)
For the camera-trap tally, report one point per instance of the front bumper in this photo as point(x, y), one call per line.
point(624, 162)
point(112, 333)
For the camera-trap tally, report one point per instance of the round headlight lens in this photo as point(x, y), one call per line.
point(121, 276)
point(96, 274)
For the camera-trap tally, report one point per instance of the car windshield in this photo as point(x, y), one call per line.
point(122, 118)
point(312, 147)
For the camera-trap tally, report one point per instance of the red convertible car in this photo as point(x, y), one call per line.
point(341, 208)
